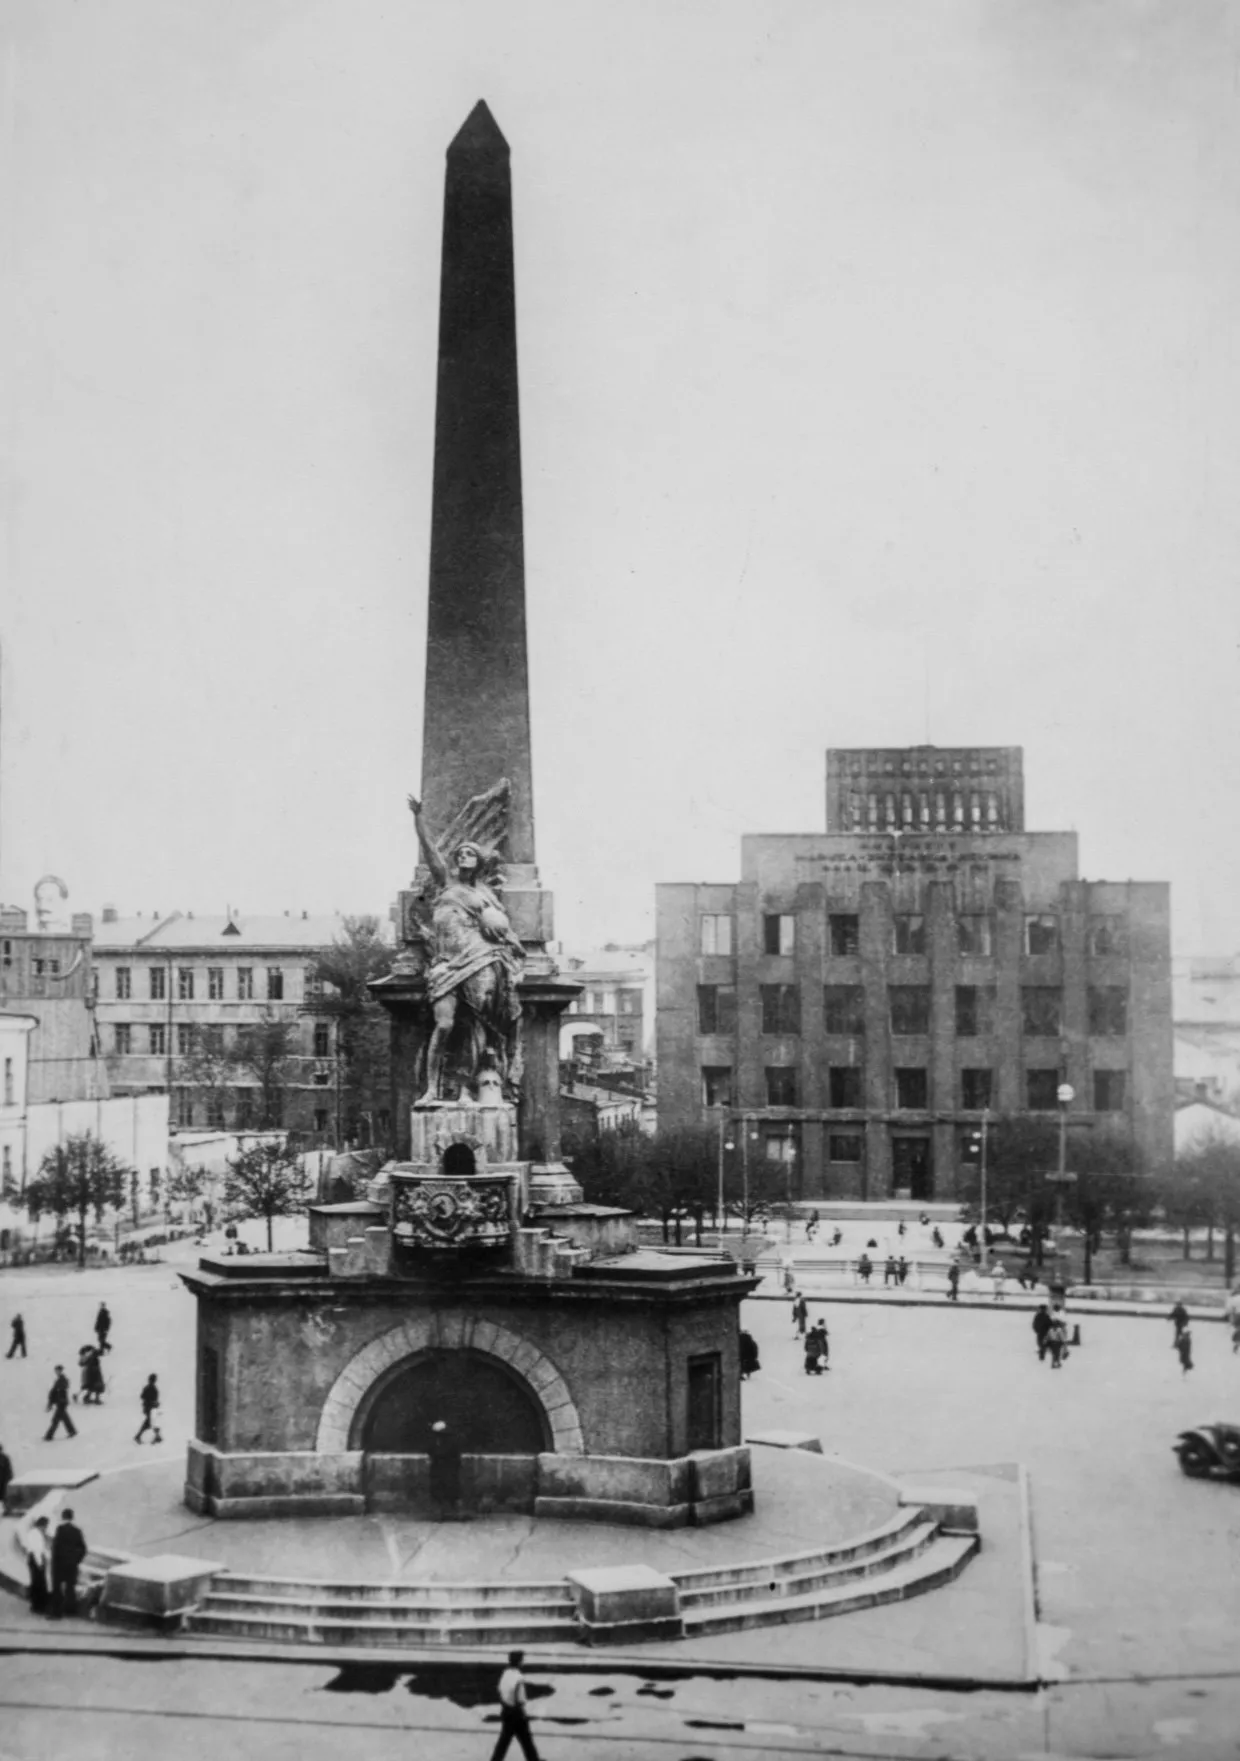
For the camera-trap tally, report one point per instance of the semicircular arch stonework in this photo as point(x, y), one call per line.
point(449, 1333)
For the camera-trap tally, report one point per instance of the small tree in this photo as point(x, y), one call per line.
point(266, 1049)
point(346, 971)
point(268, 1181)
point(1206, 1189)
point(76, 1177)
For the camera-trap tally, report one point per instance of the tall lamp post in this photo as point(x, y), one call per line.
point(724, 1144)
point(985, 1244)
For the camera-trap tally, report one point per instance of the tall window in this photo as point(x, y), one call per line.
point(215, 984)
point(275, 984)
point(1042, 1090)
point(845, 934)
point(975, 933)
point(1107, 934)
point(185, 984)
point(185, 1039)
point(245, 1108)
point(843, 1009)
point(778, 934)
point(716, 1008)
point(715, 933)
point(968, 1012)
point(322, 1040)
point(1041, 1010)
point(158, 981)
point(1110, 1091)
point(716, 1085)
point(245, 984)
point(124, 981)
point(320, 1119)
point(1041, 933)
point(1108, 1010)
point(781, 1086)
point(976, 1089)
point(910, 1008)
point(844, 1085)
point(122, 1038)
point(157, 1039)
point(912, 1089)
point(909, 933)
point(781, 1008)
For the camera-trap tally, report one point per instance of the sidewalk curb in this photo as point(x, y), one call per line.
point(1078, 1306)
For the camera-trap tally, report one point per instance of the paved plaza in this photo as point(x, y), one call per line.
point(1139, 1594)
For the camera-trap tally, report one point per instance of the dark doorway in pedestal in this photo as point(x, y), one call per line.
point(487, 1411)
point(911, 1168)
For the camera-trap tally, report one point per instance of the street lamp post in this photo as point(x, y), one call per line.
point(985, 1245)
point(723, 1132)
point(1065, 1094)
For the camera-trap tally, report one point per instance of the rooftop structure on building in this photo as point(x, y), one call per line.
point(864, 996)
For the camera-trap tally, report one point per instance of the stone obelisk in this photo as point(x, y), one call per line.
point(476, 720)
point(476, 725)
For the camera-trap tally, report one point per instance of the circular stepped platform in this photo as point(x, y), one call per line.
point(826, 1538)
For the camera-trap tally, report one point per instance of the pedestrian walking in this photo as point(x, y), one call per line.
point(1184, 1345)
point(837, 1236)
point(19, 1337)
point(445, 1454)
point(748, 1355)
point(817, 1349)
point(35, 1545)
point(514, 1719)
point(1041, 1329)
point(1179, 1320)
point(150, 1406)
point(6, 1474)
point(998, 1274)
point(68, 1552)
point(1057, 1340)
point(811, 1227)
point(936, 1236)
point(1231, 1309)
point(103, 1326)
point(800, 1314)
point(90, 1375)
point(953, 1282)
point(864, 1268)
point(900, 1230)
point(58, 1405)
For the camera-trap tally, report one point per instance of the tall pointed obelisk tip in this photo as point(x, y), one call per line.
point(478, 133)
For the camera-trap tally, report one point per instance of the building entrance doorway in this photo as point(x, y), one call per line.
point(912, 1173)
point(487, 1410)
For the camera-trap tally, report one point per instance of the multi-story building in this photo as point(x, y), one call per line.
point(864, 996)
point(163, 980)
point(46, 972)
point(1206, 993)
point(612, 1005)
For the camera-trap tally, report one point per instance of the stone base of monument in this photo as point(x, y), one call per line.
point(705, 1487)
point(25, 1490)
point(625, 1604)
point(155, 1592)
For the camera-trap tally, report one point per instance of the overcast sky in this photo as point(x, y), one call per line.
point(879, 383)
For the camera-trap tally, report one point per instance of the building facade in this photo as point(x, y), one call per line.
point(863, 998)
point(47, 972)
point(173, 993)
point(613, 1006)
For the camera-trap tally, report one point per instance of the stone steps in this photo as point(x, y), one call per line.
point(939, 1563)
point(905, 1556)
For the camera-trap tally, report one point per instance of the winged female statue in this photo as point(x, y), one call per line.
point(476, 960)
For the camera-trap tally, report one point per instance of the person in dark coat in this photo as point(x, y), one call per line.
point(890, 1275)
point(58, 1405)
point(19, 1337)
point(817, 1349)
point(445, 1454)
point(68, 1552)
point(901, 1270)
point(1184, 1345)
point(91, 1375)
point(103, 1326)
point(1041, 1328)
point(150, 1406)
point(953, 1282)
point(1057, 1340)
point(6, 1474)
point(748, 1355)
point(1179, 1320)
point(864, 1268)
point(800, 1313)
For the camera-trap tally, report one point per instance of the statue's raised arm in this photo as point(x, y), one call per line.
point(430, 855)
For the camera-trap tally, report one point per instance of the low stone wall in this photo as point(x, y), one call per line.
point(707, 1486)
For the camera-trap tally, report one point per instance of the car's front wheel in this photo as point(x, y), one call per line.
point(1195, 1459)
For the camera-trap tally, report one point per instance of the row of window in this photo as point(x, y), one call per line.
point(191, 1037)
point(911, 1085)
point(908, 1008)
point(1105, 934)
point(186, 977)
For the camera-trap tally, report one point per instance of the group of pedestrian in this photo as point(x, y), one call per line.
point(817, 1349)
point(895, 1271)
point(53, 1561)
point(1050, 1331)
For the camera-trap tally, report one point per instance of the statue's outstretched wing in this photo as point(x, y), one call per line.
point(482, 821)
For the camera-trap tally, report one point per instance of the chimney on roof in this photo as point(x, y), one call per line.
point(109, 914)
